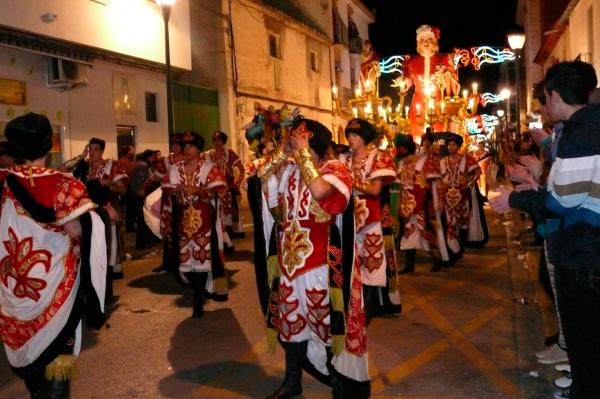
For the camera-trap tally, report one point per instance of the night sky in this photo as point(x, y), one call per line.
point(463, 24)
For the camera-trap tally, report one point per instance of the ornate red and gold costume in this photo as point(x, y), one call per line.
point(40, 277)
point(367, 210)
point(455, 172)
point(307, 303)
point(415, 173)
point(108, 169)
point(199, 222)
point(225, 161)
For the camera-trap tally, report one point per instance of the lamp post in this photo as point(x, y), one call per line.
point(505, 94)
point(516, 42)
point(499, 135)
point(166, 6)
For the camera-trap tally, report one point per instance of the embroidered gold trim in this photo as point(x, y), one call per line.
point(320, 215)
point(307, 166)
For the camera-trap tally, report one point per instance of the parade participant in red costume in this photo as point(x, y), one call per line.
point(417, 174)
point(161, 173)
point(316, 306)
point(433, 75)
point(371, 169)
point(114, 176)
point(52, 262)
point(226, 159)
point(459, 173)
point(196, 183)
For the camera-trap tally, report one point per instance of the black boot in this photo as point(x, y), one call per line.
point(37, 385)
point(409, 262)
point(295, 353)
point(371, 301)
point(166, 258)
point(199, 290)
point(59, 389)
point(109, 296)
point(437, 266)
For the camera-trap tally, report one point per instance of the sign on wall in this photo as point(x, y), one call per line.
point(124, 95)
point(13, 92)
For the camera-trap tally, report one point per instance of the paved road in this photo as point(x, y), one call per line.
point(461, 335)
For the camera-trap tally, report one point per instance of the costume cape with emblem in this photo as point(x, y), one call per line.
point(197, 227)
point(343, 351)
point(48, 281)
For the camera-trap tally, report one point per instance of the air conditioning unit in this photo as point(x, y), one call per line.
point(64, 74)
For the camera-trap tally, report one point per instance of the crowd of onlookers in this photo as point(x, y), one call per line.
point(555, 175)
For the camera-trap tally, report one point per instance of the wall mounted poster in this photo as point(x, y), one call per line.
point(13, 92)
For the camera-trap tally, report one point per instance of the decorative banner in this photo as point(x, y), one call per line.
point(475, 56)
point(482, 55)
point(491, 98)
point(391, 64)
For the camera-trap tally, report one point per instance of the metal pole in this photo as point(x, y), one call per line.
point(518, 102)
point(166, 10)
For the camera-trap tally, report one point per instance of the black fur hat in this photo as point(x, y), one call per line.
point(320, 138)
point(30, 136)
point(362, 128)
point(455, 138)
point(220, 135)
point(194, 139)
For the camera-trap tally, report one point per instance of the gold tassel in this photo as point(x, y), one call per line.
point(220, 285)
point(272, 268)
point(62, 368)
point(337, 298)
point(388, 242)
point(31, 181)
point(271, 340)
point(337, 344)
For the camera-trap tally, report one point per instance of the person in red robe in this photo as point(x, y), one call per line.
point(52, 262)
point(433, 75)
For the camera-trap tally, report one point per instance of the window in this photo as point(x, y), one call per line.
point(314, 61)
point(151, 114)
point(274, 50)
point(125, 136)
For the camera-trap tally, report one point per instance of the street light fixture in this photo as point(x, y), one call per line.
point(500, 113)
point(516, 42)
point(166, 6)
point(505, 94)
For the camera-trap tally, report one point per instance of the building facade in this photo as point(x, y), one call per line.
point(96, 68)
point(558, 30)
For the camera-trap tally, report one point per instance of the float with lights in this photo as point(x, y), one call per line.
point(455, 113)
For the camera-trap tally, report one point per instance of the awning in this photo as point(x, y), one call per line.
point(44, 46)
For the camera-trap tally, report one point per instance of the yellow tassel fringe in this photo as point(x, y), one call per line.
point(271, 340)
point(272, 268)
point(220, 285)
point(337, 344)
point(62, 368)
point(337, 298)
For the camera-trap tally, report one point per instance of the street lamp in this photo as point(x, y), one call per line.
point(516, 42)
point(505, 94)
point(166, 6)
point(500, 113)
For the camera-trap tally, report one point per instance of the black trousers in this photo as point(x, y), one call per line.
point(578, 294)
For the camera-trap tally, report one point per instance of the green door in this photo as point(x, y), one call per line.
point(197, 109)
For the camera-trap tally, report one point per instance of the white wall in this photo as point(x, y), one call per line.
point(132, 27)
point(578, 31)
point(85, 112)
